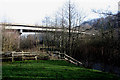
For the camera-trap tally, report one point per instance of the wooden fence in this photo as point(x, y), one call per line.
point(68, 58)
point(72, 60)
point(21, 55)
point(34, 56)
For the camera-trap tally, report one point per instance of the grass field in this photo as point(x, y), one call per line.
point(50, 70)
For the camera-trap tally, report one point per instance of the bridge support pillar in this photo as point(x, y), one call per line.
point(19, 37)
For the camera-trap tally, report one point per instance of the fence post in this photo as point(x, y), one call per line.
point(12, 56)
point(22, 56)
point(35, 57)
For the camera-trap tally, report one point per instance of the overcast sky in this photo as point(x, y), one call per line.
point(33, 11)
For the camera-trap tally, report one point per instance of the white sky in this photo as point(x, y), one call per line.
point(33, 11)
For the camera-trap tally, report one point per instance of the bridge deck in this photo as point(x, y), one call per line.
point(34, 28)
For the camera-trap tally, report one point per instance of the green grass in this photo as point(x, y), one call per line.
point(52, 70)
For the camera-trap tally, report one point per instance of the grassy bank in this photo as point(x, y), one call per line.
point(50, 69)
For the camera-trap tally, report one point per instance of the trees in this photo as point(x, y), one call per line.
point(10, 40)
point(67, 17)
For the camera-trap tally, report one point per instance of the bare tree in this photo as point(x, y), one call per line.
point(72, 18)
point(10, 40)
point(67, 18)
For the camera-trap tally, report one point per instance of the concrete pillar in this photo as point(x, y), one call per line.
point(20, 32)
